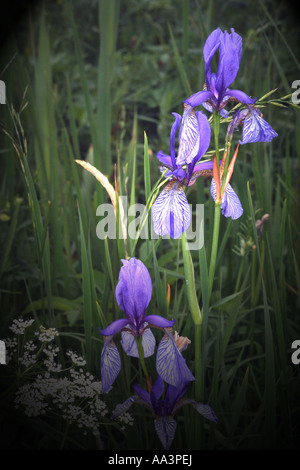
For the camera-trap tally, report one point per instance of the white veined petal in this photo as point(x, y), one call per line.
point(171, 212)
point(189, 137)
point(110, 365)
point(230, 204)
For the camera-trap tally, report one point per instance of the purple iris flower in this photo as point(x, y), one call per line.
point(164, 402)
point(255, 128)
point(171, 212)
point(230, 204)
point(216, 93)
point(133, 294)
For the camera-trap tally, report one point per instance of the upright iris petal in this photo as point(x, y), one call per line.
point(216, 93)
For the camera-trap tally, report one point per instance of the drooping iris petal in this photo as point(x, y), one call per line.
point(165, 427)
point(170, 364)
point(198, 98)
point(134, 289)
point(110, 364)
point(206, 411)
point(256, 129)
point(230, 203)
point(189, 137)
point(171, 212)
point(129, 345)
point(115, 327)
point(123, 407)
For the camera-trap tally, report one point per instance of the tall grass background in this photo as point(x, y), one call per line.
point(98, 81)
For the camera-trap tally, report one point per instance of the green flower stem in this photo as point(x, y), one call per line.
point(141, 356)
point(214, 249)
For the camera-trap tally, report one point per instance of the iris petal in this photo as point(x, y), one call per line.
point(159, 321)
point(171, 212)
point(142, 394)
point(241, 96)
point(170, 364)
point(198, 98)
point(230, 57)
point(206, 411)
point(110, 364)
point(134, 289)
point(114, 327)
point(230, 204)
point(256, 129)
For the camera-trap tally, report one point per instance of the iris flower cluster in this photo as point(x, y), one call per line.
point(133, 294)
point(171, 212)
point(171, 215)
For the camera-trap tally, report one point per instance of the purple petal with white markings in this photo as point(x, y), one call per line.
point(256, 129)
point(159, 321)
point(165, 427)
point(110, 364)
point(205, 411)
point(230, 204)
point(171, 212)
point(170, 364)
point(198, 98)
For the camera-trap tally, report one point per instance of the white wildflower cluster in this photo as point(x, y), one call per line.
point(76, 360)
point(73, 394)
